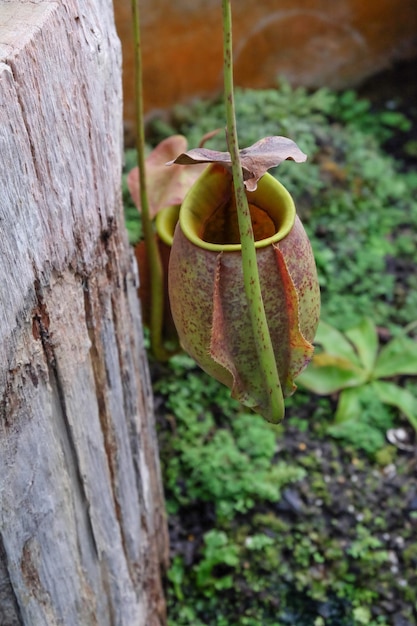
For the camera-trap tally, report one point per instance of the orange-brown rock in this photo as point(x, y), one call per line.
point(311, 42)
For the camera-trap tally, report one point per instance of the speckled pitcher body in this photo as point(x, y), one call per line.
point(207, 294)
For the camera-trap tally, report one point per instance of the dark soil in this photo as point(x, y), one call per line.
point(397, 88)
point(342, 490)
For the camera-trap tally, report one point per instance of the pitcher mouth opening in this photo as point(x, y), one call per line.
point(208, 216)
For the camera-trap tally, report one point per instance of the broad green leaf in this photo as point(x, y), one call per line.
point(335, 343)
point(327, 374)
point(399, 356)
point(365, 339)
point(349, 405)
point(402, 399)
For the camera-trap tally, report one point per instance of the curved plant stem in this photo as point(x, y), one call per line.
point(152, 252)
point(249, 263)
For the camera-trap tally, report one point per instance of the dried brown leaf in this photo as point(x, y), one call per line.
point(255, 160)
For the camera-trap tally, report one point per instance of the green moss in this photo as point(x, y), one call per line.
point(232, 465)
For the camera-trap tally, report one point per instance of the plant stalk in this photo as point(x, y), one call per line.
point(259, 322)
point(152, 251)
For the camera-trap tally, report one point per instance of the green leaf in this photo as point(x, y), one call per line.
point(327, 374)
point(335, 343)
point(175, 575)
point(402, 399)
point(399, 356)
point(365, 339)
point(349, 405)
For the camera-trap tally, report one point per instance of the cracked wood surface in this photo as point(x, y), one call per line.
point(82, 529)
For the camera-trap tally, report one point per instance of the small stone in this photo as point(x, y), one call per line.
point(412, 505)
point(291, 498)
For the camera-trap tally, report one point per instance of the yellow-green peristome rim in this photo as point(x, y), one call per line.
point(209, 191)
point(166, 220)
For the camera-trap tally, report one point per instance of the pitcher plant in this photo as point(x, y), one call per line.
point(242, 282)
point(206, 290)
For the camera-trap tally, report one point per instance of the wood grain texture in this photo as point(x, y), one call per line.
point(82, 529)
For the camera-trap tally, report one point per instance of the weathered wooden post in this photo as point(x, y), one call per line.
point(82, 529)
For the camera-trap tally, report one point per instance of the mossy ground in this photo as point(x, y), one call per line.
point(281, 525)
point(303, 524)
